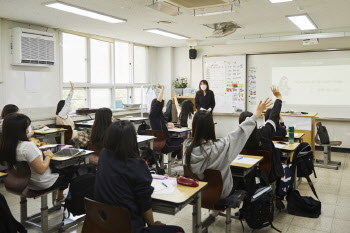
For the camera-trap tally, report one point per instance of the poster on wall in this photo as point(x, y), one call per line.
point(227, 78)
point(251, 83)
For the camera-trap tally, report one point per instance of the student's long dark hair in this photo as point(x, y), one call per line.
point(121, 139)
point(13, 130)
point(203, 129)
point(154, 102)
point(10, 108)
point(60, 105)
point(200, 91)
point(186, 110)
point(103, 119)
point(253, 141)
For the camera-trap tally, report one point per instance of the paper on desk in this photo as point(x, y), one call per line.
point(32, 80)
point(45, 130)
point(279, 146)
point(243, 160)
point(160, 188)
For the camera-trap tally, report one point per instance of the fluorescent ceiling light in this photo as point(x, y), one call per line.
point(279, 1)
point(165, 33)
point(303, 22)
point(84, 12)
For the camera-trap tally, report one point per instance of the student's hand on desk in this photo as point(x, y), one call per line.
point(263, 106)
point(71, 86)
point(48, 153)
point(42, 126)
point(276, 92)
point(171, 126)
point(159, 223)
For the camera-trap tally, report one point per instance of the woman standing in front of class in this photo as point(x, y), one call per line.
point(205, 99)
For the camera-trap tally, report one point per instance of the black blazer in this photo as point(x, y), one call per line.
point(205, 101)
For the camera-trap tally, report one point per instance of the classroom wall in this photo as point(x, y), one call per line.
point(182, 68)
point(12, 89)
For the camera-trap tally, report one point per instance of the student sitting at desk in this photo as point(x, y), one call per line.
point(204, 151)
point(15, 147)
point(280, 127)
point(103, 119)
point(124, 180)
point(261, 139)
point(11, 108)
point(184, 112)
point(62, 118)
point(158, 122)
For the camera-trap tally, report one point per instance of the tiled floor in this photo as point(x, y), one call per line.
point(333, 188)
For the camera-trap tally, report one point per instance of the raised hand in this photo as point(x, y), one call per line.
point(276, 92)
point(160, 86)
point(263, 106)
point(71, 86)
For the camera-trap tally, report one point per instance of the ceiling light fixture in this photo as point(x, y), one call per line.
point(303, 22)
point(83, 12)
point(279, 1)
point(202, 12)
point(165, 33)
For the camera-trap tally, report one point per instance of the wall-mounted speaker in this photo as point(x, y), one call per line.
point(193, 53)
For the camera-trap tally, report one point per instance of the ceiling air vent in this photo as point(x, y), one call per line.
point(193, 4)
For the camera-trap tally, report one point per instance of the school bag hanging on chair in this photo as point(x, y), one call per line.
point(141, 130)
point(322, 136)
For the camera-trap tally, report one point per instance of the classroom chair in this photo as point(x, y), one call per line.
point(104, 218)
point(211, 197)
point(158, 144)
point(67, 135)
point(265, 164)
point(17, 183)
point(327, 162)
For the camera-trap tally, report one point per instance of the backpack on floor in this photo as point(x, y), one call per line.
point(303, 206)
point(285, 183)
point(322, 136)
point(81, 186)
point(151, 158)
point(141, 130)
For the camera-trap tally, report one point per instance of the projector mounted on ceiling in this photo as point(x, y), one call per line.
point(222, 29)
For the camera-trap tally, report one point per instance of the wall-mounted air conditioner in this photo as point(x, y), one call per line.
point(32, 48)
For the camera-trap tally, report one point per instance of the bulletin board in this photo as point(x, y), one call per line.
point(226, 76)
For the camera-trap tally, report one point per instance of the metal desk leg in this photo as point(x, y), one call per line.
point(197, 215)
point(151, 145)
point(169, 164)
point(62, 138)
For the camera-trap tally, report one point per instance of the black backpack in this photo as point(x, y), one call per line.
point(81, 186)
point(303, 206)
point(151, 158)
point(258, 208)
point(142, 128)
point(322, 136)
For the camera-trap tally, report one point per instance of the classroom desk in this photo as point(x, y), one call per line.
point(182, 196)
point(2, 175)
point(85, 124)
point(288, 148)
point(303, 123)
point(62, 161)
point(297, 136)
point(45, 135)
point(145, 140)
point(244, 169)
point(180, 132)
point(135, 120)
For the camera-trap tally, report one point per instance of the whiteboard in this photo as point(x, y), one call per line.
point(226, 76)
point(309, 82)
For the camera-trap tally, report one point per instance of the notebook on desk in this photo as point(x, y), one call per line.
point(244, 164)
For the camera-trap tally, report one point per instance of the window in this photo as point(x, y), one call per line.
point(100, 61)
point(74, 58)
point(140, 64)
point(122, 62)
point(79, 98)
point(137, 96)
point(101, 98)
point(122, 94)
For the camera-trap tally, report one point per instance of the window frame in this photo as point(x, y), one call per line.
point(112, 85)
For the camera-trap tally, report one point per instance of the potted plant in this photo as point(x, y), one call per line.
point(179, 85)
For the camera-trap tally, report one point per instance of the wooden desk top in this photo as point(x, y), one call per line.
point(247, 165)
point(145, 138)
point(64, 158)
point(288, 147)
point(133, 119)
point(181, 194)
point(179, 130)
point(310, 114)
point(296, 135)
point(45, 133)
point(3, 174)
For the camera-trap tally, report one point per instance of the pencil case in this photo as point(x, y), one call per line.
point(187, 181)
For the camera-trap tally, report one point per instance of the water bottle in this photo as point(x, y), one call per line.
point(291, 135)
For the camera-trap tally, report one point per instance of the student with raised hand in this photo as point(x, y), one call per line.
point(103, 119)
point(261, 139)
point(124, 180)
point(15, 147)
point(62, 118)
point(159, 122)
point(184, 112)
point(280, 127)
point(204, 151)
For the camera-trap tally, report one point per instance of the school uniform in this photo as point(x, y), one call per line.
point(127, 184)
point(205, 102)
point(159, 122)
point(281, 130)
